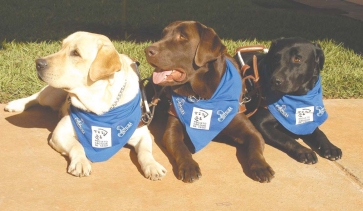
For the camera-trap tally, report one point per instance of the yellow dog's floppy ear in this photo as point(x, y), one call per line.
point(107, 62)
point(210, 46)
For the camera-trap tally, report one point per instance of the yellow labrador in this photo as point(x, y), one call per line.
point(88, 79)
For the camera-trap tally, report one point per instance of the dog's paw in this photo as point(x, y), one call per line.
point(15, 106)
point(80, 167)
point(306, 156)
point(331, 152)
point(262, 172)
point(154, 171)
point(189, 171)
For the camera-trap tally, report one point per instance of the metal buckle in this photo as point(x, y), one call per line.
point(146, 118)
point(245, 98)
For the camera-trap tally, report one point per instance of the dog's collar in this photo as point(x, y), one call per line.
point(119, 95)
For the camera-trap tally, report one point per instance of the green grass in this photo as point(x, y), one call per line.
point(31, 29)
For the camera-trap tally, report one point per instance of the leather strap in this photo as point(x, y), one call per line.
point(250, 48)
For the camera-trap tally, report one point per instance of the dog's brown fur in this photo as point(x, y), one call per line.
point(198, 58)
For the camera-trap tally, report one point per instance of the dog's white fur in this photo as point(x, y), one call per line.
point(89, 70)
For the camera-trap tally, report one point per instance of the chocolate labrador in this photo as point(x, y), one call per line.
point(291, 83)
point(205, 87)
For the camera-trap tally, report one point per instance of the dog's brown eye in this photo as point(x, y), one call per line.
point(75, 53)
point(182, 37)
point(297, 60)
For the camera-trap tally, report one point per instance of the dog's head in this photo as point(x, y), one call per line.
point(185, 46)
point(83, 59)
point(294, 65)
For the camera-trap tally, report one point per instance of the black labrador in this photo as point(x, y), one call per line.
point(291, 87)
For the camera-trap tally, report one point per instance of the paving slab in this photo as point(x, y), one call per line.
point(33, 175)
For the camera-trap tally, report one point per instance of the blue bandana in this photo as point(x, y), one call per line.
point(204, 119)
point(300, 115)
point(104, 135)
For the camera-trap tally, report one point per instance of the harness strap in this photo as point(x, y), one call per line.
point(255, 79)
point(147, 114)
point(252, 79)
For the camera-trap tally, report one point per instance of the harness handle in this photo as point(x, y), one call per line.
point(251, 48)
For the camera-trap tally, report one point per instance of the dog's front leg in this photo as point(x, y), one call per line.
point(22, 104)
point(326, 149)
point(47, 96)
point(142, 142)
point(241, 130)
point(65, 142)
point(272, 132)
point(188, 169)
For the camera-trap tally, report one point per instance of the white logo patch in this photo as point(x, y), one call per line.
point(201, 118)
point(304, 115)
point(101, 137)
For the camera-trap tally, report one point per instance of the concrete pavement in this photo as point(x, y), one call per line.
point(33, 175)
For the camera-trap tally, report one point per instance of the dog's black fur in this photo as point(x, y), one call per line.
point(294, 65)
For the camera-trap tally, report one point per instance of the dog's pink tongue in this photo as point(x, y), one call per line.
point(159, 77)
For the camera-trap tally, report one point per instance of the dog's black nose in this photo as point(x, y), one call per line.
point(151, 51)
point(276, 81)
point(41, 64)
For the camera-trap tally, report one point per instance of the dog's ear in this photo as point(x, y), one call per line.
point(319, 57)
point(210, 46)
point(271, 50)
point(274, 43)
point(107, 62)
